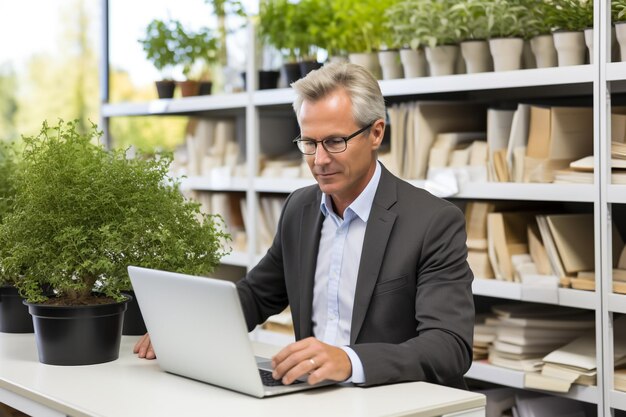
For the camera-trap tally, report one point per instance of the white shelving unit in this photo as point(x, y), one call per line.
point(592, 81)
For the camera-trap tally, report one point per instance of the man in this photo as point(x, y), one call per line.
point(374, 269)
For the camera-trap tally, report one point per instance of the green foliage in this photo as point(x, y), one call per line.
point(470, 18)
point(168, 44)
point(398, 25)
point(277, 26)
point(8, 169)
point(572, 15)
point(83, 214)
point(541, 17)
point(434, 21)
point(618, 10)
point(506, 18)
point(363, 24)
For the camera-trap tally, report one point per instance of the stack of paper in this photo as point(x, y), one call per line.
point(507, 236)
point(526, 332)
point(576, 362)
point(229, 206)
point(484, 335)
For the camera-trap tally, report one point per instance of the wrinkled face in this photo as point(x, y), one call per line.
point(342, 175)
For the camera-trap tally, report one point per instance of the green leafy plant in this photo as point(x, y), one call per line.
point(506, 18)
point(470, 18)
point(363, 25)
point(167, 44)
point(8, 170)
point(399, 26)
point(82, 214)
point(572, 15)
point(159, 45)
point(618, 10)
point(276, 26)
point(541, 17)
point(223, 9)
point(434, 22)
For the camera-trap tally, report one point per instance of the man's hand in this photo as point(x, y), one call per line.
point(310, 356)
point(143, 348)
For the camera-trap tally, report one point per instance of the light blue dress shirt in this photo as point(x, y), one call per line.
point(338, 258)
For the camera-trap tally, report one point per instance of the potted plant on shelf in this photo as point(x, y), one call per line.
point(471, 20)
point(81, 215)
point(277, 28)
point(618, 13)
point(539, 30)
point(506, 27)
point(401, 29)
point(14, 316)
point(570, 19)
point(193, 50)
point(436, 28)
point(159, 46)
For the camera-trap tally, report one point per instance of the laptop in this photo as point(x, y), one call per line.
point(198, 331)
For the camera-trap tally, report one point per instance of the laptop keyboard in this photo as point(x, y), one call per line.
point(269, 381)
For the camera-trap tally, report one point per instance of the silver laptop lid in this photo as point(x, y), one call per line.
point(197, 328)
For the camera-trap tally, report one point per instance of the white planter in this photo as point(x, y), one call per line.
point(620, 34)
point(528, 58)
point(391, 65)
point(588, 33)
point(544, 51)
point(477, 57)
point(506, 53)
point(442, 59)
point(570, 48)
point(337, 58)
point(367, 60)
point(413, 62)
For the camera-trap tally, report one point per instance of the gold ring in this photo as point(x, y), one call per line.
point(313, 362)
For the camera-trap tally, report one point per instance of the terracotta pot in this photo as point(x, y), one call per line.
point(188, 88)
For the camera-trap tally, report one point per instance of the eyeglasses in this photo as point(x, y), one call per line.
point(331, 145)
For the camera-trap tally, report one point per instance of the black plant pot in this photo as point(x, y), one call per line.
point(308, 66)
point(205, 88)
point(165, 88)
point(267, 80)
point(291, 72)
point(78, 335)
point(14, 315)
point(133, 320)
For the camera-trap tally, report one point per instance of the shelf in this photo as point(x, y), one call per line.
point(273, 97)
point(236, 259)
point(617, 303)
point(279, 185)
point(616, 194)
point(566, 297)
point(615, 71)
point(483, 371)
point(517, 191)
point(617, 399)
point(214, 184)
point(177, 105)
point(578, 74)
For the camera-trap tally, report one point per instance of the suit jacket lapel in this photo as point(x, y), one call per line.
point(377, 232)
point(310, 231)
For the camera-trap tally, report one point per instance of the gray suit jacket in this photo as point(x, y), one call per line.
point(413, 312)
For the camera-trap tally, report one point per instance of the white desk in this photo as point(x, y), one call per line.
point(137, 387)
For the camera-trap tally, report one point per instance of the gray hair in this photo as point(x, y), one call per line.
point(368, 104)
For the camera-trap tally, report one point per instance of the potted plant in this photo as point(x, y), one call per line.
point(436, 28)
point(471, 20)
point(276, 27)
point(618, 13)
point(539, 30)
point(402, 32)
point(14, 316)
point(194, 50)
point(570, 19)
point(158, 44)
point(506, 23)
point(81, 215)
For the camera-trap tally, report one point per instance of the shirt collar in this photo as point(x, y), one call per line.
point(362, 205)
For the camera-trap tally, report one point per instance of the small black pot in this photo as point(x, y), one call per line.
point(291, 72)
point(205, 88)
point(267, 80)
point(308, 66)
point(133, 320)
point(14, 315)
point(165, 88)
point(78, 335)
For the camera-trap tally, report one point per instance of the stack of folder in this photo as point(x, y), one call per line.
point(527, 332)
point(231, 206)
point(484, 335)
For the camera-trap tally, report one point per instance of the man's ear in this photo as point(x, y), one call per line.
point(377, 132)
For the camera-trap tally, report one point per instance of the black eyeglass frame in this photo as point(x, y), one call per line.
point(323, 142)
